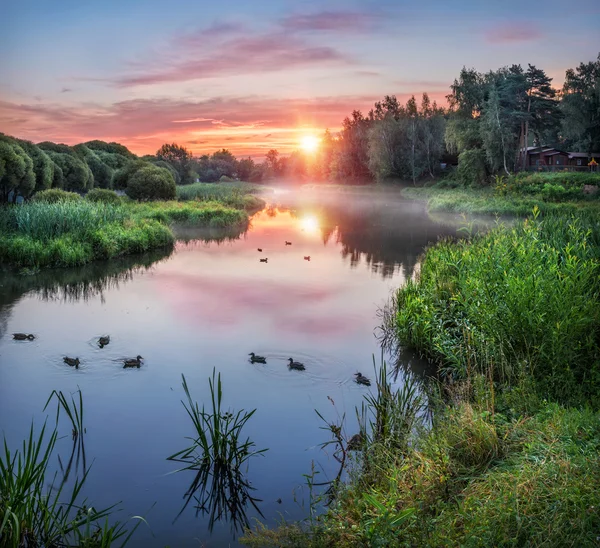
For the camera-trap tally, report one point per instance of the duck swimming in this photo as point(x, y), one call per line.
point(257, 359)
point(288, 243)
point(264, 260)
point(73, 362)
point(307, 257)
point(23, 336)
point(133, 362)
point(103, 341)
point(297, 366)
point(361, 379)
point(259, 249)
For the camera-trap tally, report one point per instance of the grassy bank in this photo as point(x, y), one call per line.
point(488, 202)
point(511, 319)
point(239, 195)
point(75, 233)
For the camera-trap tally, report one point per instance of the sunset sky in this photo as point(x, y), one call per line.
point(254, 75)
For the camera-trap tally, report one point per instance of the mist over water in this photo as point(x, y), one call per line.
point(208, 304)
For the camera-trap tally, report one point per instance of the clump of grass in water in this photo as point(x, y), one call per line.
point(217, 455)
point(34, 514)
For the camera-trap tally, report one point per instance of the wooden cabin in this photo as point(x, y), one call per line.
point(554, 159)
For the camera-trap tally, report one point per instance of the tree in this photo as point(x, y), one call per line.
point(581, 107)
point(103, 174)
point(76, 174)
point(245, 168)
point(43, 166)
point(16, 171)
point(122, 176)
point(180, 158)
point(272, 161)
point(151, 183)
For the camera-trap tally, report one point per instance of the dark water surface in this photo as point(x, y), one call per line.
point(208, 304)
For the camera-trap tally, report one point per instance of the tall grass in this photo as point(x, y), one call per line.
point(217, 454)
point(36, 509)
point(239, 195)
point(514, 303)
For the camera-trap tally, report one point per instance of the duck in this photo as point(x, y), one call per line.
point(23, 336)
point(259, 249)
point(257, 359)
point(288, 243)
point(133, 362)
point(307, 257)
point(266, 259)
point(296, 365)
point(73, 362)
point(356, 442)
point(361, 379)
point(103, 341)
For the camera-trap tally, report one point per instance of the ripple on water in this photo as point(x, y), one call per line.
point(322, 370)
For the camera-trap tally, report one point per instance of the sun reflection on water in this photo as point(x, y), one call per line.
point(310, 224)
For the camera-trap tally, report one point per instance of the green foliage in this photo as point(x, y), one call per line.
point(102, 173)
point(16, 170)
point(54, 195)
point(110, 148)
point(151, 183)
point(209, 214)
point(103, 195)
point(471, 170)
point(167, 165)
point(122, 177)
point(554, 187)
point(43, 166)
point(76, 175)
point(238, 195)
point(180, 159)
point(520, 301)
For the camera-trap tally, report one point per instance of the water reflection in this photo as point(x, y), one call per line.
point(221, 493)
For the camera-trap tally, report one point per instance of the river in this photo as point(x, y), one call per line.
point(207, 305)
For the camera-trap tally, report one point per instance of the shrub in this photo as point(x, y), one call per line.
point(151, 183)
point(55, 195)
point(122, 176)
point(103, 195)
point(471, 170)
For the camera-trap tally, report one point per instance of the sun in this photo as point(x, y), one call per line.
point(309, 143)
point(309, 224)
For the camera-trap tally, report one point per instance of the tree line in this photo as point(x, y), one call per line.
point(490, 117)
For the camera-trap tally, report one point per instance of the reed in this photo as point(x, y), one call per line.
point(36, 509)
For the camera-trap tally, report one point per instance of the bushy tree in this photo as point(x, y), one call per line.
point(245, 168)
point(110, 148)
point(55, 195)
point(180, 158)
point(16, 171)
point(76, 174)
point(103, 195)
point(43, 166)
point(122, 176)
point(166, 165)
point(151, 183)
point(103, 174)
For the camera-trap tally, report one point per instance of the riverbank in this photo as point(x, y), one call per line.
point(511, 319)
point(62, 234)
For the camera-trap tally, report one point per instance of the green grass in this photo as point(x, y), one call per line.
point(239, 195)
point(65, 234)
point(38, 510)
point(487, 202)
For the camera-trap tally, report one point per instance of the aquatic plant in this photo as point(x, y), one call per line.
point(217, 454)
point(37, 510)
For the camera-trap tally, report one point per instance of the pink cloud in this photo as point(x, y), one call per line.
point(240, 55)
point(511, 33)
point(330, 21)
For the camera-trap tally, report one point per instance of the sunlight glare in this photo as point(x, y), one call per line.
point(309, 143)
point(310, 224)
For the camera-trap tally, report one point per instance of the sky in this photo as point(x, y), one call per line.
point(252, 75)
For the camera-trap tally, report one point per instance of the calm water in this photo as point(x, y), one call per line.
point(208, 304)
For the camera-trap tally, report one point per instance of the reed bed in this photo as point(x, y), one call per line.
point(238, 195)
